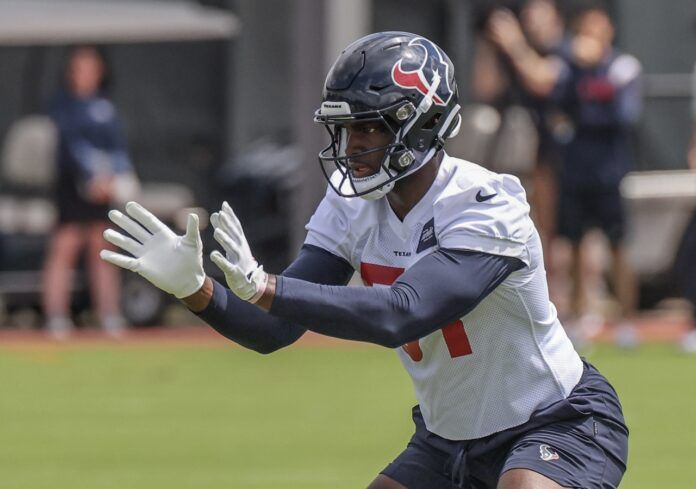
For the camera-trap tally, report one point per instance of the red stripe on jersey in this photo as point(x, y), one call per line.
point(380, 274)
point(456, 339)
point(455, 336)
point(414, 350)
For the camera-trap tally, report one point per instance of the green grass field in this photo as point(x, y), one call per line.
point(135, 417)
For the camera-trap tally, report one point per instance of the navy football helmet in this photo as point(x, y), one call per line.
point(401, 80)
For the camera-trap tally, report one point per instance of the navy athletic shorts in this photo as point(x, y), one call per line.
point(581, 441)
point(580, 209)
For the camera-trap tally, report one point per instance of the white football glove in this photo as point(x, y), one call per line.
point(244, 276)
point(172, 263)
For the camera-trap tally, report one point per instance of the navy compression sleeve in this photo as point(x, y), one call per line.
point(440, 288)
point(257, 330)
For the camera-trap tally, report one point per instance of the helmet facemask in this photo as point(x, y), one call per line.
point(406, 153)
point(336, 163)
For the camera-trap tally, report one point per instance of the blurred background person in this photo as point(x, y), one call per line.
point(502, 136)
point(531, 46)
point(685, 261)
point(600, 92)
point(90, 155)
point(692, 146)
point(597, 89)
point(493, 82)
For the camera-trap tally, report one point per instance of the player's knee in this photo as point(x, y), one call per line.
point(384, 482)
point(525, 479)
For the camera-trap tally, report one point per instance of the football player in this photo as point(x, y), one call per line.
point(459, 287)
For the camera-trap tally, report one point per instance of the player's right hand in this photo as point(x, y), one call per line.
point(170, 262)
point(243, 274)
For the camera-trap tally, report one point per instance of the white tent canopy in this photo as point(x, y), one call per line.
point(31, 22)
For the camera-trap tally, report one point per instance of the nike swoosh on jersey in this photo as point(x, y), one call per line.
point(482, 198)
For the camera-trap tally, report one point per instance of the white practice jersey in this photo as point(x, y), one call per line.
point(506, 358)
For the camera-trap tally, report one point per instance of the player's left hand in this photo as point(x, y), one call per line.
point(170, 262)
point(244, 276)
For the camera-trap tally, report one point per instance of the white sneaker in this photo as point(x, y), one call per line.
point(626, 335)
point(60, 328)
point(114, 326)
point(688, 342)
point(583, 330)
point(590, 325)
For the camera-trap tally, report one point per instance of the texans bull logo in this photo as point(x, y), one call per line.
point(416, 70)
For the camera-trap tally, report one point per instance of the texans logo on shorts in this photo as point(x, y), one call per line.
point(546, 453)
point(416, 69)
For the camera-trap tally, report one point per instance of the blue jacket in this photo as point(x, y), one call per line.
point(90, 134)
point(603, 103)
